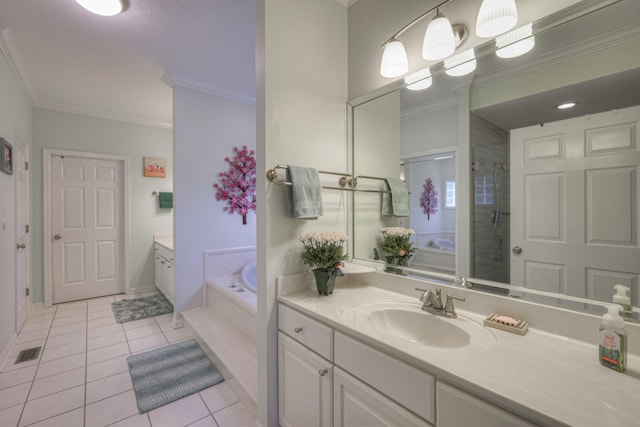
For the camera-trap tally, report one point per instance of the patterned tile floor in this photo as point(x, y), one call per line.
point(81, 378)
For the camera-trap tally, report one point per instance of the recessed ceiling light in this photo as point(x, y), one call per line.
point(566, 105)
point(104, 7)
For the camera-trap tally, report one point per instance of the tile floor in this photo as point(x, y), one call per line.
point(81, 378)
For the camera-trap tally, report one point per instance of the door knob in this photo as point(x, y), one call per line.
point(517, 250)
point(57, 237)
point(22, 246)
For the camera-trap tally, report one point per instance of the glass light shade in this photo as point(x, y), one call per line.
point(516, 42)
point(419, 80)
point(104, 7)
point(496, 17)
point(394, 60)
point(439, 41)
point(461, 64)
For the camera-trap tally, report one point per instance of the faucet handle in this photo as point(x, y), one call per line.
point(449, 309)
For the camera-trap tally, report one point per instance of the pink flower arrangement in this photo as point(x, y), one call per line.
point(238, 186)
point(429, 199)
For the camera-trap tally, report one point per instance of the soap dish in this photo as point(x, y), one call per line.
point(506, 323)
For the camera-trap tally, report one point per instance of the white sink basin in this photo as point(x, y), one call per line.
point(407, 322)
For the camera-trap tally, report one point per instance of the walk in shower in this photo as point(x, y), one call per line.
point(490, 205)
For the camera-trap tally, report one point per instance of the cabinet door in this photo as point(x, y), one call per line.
point(358, 405)
point(457, 408)
point(169, 283)
point(304, 386)
point(159, 271)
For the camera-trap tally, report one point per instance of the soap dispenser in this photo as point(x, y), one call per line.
point(622, 297)
point(613, 340)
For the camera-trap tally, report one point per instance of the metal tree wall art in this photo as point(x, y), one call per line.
point(238, 185)
point(429, 199)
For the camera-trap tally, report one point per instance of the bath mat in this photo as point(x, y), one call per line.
point(170, 373)
point(127, 310)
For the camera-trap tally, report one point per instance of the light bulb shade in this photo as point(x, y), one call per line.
point(419, 80)
point(461, 64)
point(104, 7)
point(439, 41)
point(394, 60)
point(516, 42)
point(496, 17)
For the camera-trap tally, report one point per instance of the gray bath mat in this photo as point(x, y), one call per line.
point(170, 373)
point(127, 310)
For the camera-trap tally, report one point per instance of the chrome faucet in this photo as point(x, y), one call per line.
point(432, 303)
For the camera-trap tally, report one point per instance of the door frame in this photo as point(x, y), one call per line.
point(18, 142)
point(48, 154)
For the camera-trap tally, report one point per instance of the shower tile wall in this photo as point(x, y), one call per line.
point(490, 245)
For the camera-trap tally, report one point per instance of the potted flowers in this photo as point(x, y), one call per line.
point(324, 253)
point(396, 243)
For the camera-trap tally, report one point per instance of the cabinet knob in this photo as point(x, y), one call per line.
point(323, 372)
point(297, 330)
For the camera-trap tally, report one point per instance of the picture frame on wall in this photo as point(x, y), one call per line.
point(155, 167)
point(6, 159)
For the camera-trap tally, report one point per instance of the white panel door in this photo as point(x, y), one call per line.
point(21, 156)
point(87, 224)
point(574, 204)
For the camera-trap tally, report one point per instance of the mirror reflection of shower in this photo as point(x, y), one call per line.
point(490, 207)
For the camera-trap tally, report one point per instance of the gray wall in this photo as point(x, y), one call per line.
point(68, 131)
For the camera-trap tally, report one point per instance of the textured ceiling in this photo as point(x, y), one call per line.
point(72, 60)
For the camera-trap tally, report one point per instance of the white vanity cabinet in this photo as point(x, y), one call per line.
point(457, 408)
point(165, 279)
point(327, 378)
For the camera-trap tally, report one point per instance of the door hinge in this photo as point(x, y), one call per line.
point(26, 291)
point(26, 166)
point(26, 228)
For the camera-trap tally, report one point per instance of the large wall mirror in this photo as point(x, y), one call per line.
point(529, 196)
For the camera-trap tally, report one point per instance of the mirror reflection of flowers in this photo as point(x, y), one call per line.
point(396, 242)
point(429, 199)
point(324, 250)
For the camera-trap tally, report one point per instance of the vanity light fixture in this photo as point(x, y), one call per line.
point(104, 7)
point(566, 105)
point(461, 64)
point(439, 40)
point(496, 17)
point(516, 42)
point(394, 60)
point(419, 80)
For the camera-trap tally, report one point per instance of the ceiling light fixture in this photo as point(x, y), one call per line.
point(439, 40)
point(516, 42)
point(104, 7)
point(394, 60)
point(419, 80)
point(566, 105)
point(461, 64)
point(496, 17)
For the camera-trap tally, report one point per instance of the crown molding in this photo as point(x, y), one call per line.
point(430, 107)
point(103, 114)
point(10, 51)
point(172, 80)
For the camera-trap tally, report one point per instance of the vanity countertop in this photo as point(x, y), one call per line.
point(167, 242)
point(549, 379)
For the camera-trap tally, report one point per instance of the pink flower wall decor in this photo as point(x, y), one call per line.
point(238, 185)
point(429, 199)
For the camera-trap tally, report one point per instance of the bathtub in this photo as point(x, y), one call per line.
point(249, 276)
point(436, 251)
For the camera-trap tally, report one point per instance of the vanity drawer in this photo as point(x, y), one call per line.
point(412, 388)
point(305, 330)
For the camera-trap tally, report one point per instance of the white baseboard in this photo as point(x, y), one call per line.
point(141, 289)
point(7, 350)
